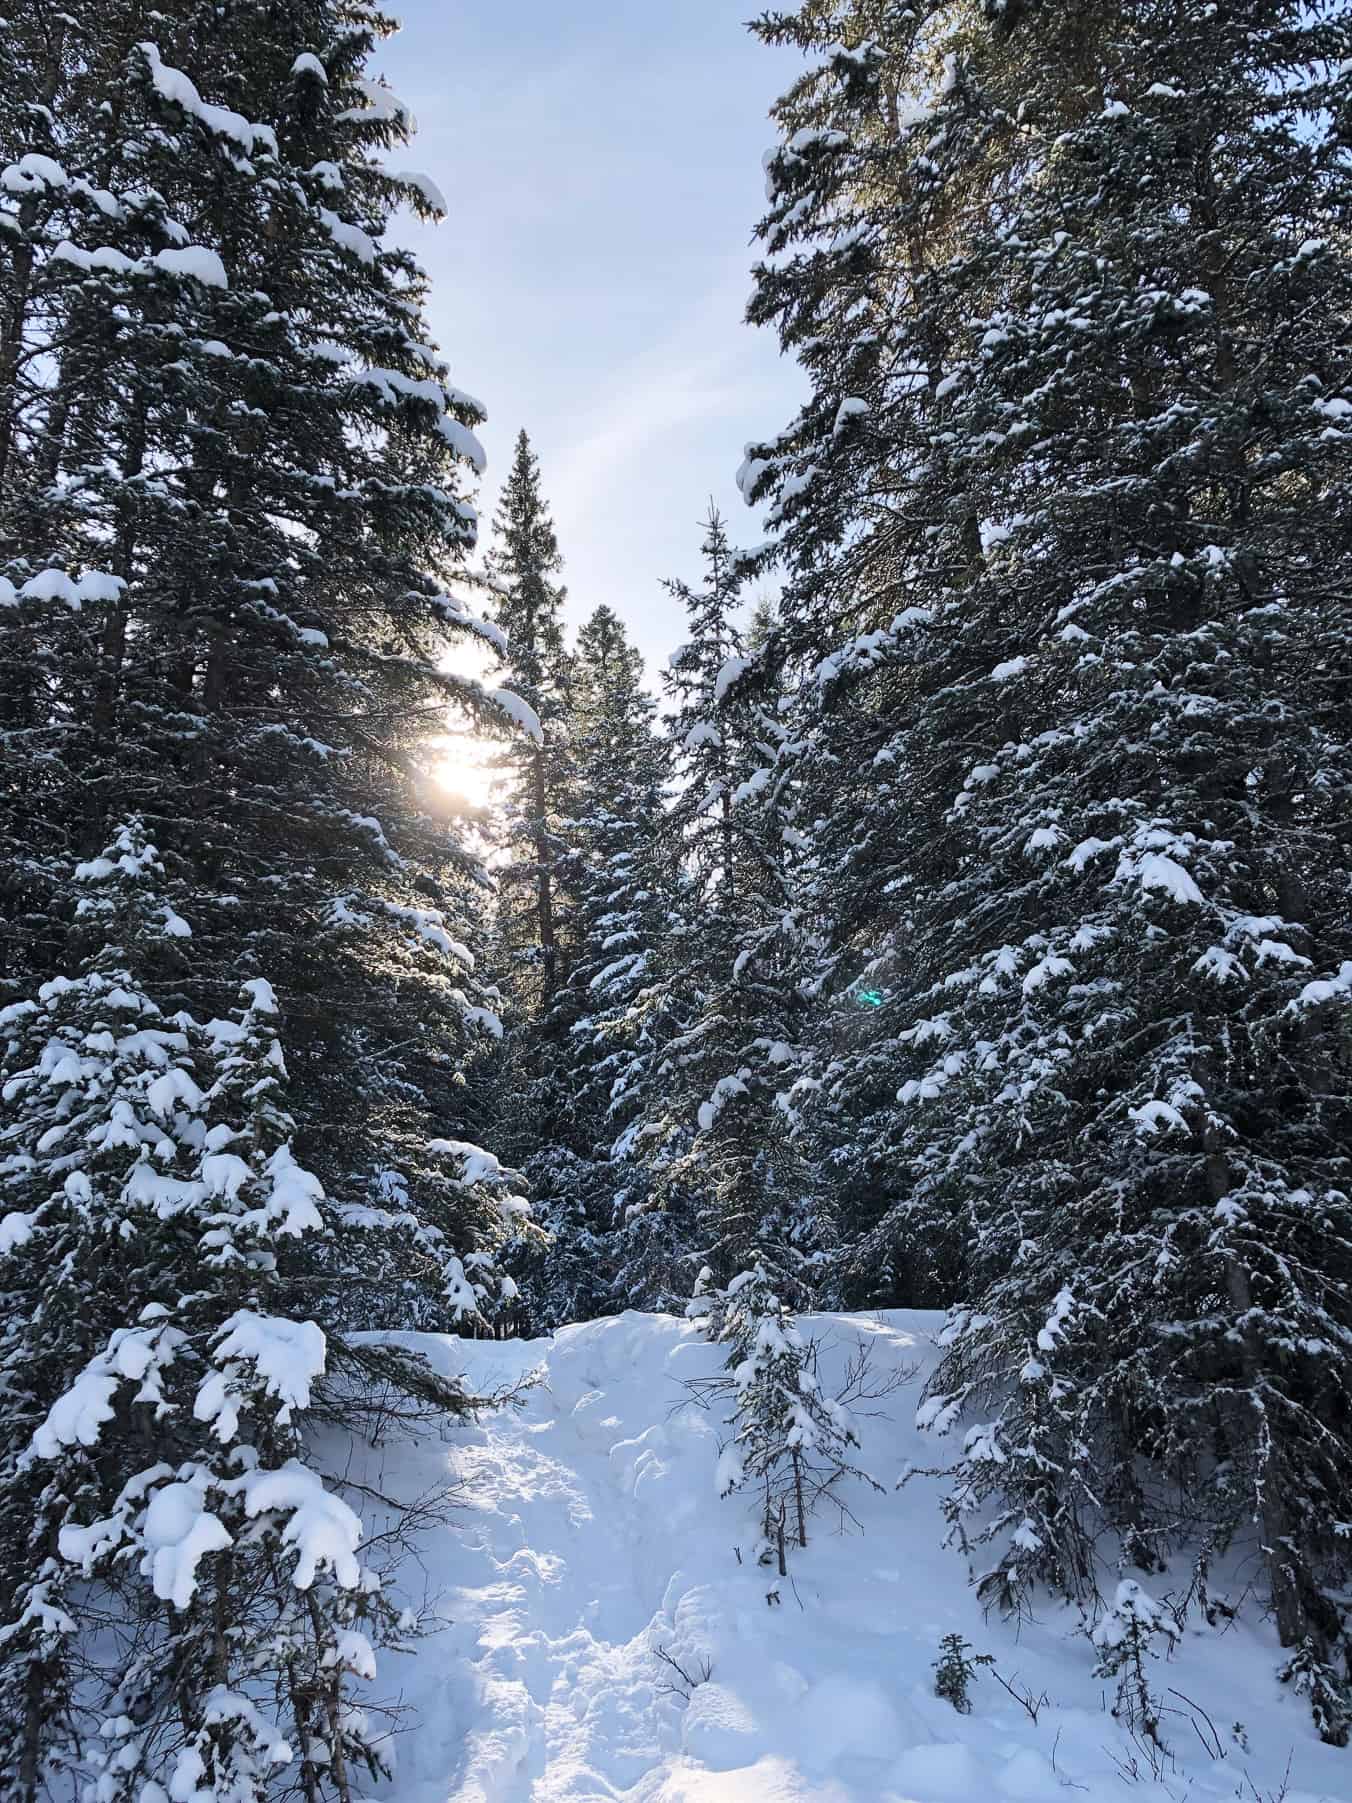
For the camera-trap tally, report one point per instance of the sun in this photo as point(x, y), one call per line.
point(465, 768)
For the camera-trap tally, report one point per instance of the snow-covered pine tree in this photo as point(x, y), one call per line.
point(232, 502)
point(725, 1185)
point(726, 1174)
point(1063, 523)
point(231, 511)
point(710, 759)
point(790, 1441)
point(150, 1381)
point(850, 282)
point(1125, 1639)
point(621, 770)
point(596, 1037)
point(523, 571)
point(94, 1078)
point(160, 1368)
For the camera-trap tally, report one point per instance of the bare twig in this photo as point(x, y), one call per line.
point(1214, 1746)
point(1030, 1704)
point(1248, 1789)
point(1066, 1783)
point(690, 1680)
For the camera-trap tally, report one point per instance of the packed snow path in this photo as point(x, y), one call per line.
point(588, 1540)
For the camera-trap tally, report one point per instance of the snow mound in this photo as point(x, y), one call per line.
point(603, 1630)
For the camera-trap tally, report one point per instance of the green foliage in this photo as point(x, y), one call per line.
point(533, 925)
point(1310, 1674)
point(955, 1669)
point(1063, 541)
point(234, 485)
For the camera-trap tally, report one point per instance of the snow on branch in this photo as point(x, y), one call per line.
point(519, 712)
point(173, 85)
point(323, 1529)
point(287, 1355)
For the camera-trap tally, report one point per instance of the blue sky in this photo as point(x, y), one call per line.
point(602, 164)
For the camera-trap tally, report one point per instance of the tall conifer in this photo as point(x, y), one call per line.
point(524, 570)
point(232, 504)
point(230, 518)
point(1063, 527)
point(720, 1190)
point(595, 1040)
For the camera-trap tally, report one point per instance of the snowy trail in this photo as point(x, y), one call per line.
point(546, 1652)
point(555, 1664)
point(588, 1536)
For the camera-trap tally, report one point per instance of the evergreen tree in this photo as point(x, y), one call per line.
point(621, 772)
point(523, 571)
point(790, 1441)
point(233, 497)
point(157, 1375)
point(711, 756)
point(726, 1189)
point(594, 1047)
point(85, 1107)
point(1062, 523)
point(230, 511)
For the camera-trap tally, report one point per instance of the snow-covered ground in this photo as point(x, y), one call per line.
point(589, 1539)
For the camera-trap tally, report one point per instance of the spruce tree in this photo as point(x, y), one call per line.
point(790, 1442)
point(593, 1041)
point(1062, 525)
point(233, 502)
point(724, 1187)
point(160, 1513)
point(523, 572)
point(621, 770)
point(95, 1082)
point(233, 506)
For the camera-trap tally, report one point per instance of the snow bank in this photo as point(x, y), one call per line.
point(591, 1558)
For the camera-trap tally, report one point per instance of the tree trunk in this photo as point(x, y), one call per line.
point(544, 903)
point(1288, 1603)
point(11, 341)
point(12, 331)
